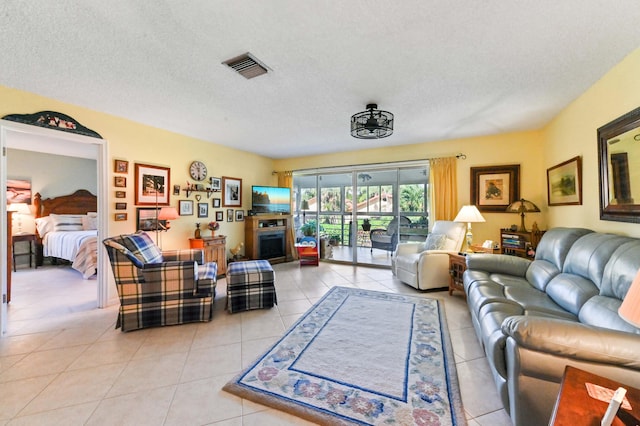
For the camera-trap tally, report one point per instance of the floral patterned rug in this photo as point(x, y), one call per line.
point(361, 357)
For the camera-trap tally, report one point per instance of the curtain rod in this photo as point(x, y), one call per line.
point(459, 156)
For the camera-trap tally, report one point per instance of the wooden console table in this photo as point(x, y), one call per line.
point(574, 406)
point(457, 266)
point(215, 250)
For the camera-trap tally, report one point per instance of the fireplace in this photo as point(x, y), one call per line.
point(271, 244)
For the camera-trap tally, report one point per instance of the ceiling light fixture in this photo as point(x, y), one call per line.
point(372, 123)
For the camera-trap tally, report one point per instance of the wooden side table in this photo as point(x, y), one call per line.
point(28, 238)
point(457, 266)
point(215, 250)
point(575, 406)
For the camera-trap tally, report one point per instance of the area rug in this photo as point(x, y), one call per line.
point(361, 357)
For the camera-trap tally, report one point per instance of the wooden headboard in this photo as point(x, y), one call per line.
point(80, 202)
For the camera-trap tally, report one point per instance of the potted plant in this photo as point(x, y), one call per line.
point(366, 225)
point(309, 229)
point(334, 239)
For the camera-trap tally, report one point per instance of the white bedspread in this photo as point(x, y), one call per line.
point(78, 247)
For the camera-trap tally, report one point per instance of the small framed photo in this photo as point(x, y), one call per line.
point(121, 194)
point(239, 215)
point(121, 166)
point(147, 220)
point(121, 206)
point(219, 216)
point(203, 210)
point(185, 207)
point(229, 215)
point(215, 203)
point(564, 183)
point(176, 189)
point(215, 183)
point(231, 192)
point(119, 217)
point(120, 181)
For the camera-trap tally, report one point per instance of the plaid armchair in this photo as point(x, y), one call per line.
point(160, 288)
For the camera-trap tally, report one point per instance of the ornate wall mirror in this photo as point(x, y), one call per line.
point(619, 156)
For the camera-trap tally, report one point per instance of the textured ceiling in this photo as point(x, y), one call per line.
point(446, 69)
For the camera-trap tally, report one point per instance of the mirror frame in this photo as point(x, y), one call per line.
point(622, 212)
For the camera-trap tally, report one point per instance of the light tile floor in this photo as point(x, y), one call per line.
point(62, 361)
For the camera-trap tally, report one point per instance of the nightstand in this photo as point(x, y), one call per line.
point(27, 238)
point(457, 266)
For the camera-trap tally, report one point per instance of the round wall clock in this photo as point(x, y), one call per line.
point(198, 170)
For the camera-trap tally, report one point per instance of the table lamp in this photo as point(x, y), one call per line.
point(166, 214)
point(304, 206)
point(469, 214)
point(630, 308)
point(20, 209)
point(522, 206)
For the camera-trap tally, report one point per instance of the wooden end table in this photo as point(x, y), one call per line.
point(575, 406)
point(457, 266)
point(29, 238)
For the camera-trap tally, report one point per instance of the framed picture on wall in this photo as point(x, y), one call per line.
point(239, 215)
point(215, 183)
point(493, 188)
point(229, 215)
point(120, 182)
point(185, 207)
point(231, 192)
point(121, 166)
point(147, 220)
point(203, 210)
point(152, 185)
point(219, 216)
point(215, 203)
point(564, 183)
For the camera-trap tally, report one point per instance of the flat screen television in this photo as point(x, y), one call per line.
point(270, 200)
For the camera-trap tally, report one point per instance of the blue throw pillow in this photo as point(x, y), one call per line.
point(142, 247)
point(435, 242)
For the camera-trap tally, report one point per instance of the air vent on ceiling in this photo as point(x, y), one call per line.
point(247, 66)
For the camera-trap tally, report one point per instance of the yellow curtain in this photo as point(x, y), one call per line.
point(285, 180)
point(444, 188)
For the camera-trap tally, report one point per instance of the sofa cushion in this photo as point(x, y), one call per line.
point(435, 242)
point(621, 270)
point(536, 302)
point(590, 253)
point(571, 291)
point(602, 311)
point(142, 247)
point(555, 244)
point(541, 272)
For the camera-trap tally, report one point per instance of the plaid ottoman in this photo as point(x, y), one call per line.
point(250, 286)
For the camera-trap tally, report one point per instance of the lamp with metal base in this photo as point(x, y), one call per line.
point(469, 214)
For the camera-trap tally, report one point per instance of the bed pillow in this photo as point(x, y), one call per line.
point(435, 242)
point(89, 222)
point(44, 225)
point(66, 222)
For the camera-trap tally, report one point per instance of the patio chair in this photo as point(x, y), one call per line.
point(387, 239)
point(158, 288)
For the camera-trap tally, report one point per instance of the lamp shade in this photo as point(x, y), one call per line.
point(630, 308)
point(168, 213)
point(304, 205)
point(522, 206)
point(469, 214)
point(21, 208)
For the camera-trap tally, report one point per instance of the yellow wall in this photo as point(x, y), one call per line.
point(571, 133)
point(574, 132)
point(138, 143)
point(524, 148)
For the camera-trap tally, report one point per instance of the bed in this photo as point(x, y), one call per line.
point(66, 228)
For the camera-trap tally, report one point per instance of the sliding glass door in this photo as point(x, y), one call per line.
point(359, 215)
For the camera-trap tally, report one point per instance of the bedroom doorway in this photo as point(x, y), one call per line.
point(32, 138)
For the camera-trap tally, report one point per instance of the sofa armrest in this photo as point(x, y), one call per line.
point(498, 263)
point(184, 254)
point(574, 340)
point(403, 249)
